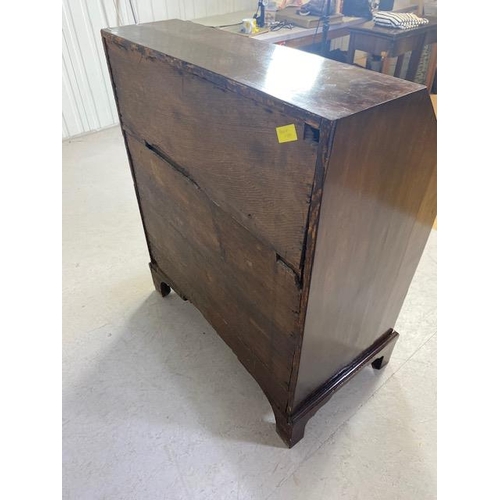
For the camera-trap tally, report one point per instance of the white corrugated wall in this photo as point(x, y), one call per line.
point(87, 97)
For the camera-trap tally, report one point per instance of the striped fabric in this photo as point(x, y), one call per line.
point(402, 21)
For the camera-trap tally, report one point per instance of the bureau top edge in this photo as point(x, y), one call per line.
point(319, 86)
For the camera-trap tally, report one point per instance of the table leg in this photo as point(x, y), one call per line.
point(399, 65)
point(351, 49)
point(431, 68)
point(386, 64)
point(414, 60)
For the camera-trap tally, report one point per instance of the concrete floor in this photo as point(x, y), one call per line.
point(156, 406)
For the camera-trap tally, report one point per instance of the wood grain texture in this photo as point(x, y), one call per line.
point(270, 74)
point(221, 140)
point(299, 254)
point(378, 354)
point(212, 260)
point(377, 211)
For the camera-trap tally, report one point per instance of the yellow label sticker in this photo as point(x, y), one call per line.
point(286, 133)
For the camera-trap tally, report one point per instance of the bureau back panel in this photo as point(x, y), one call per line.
point(248, 296)
point(225, 143)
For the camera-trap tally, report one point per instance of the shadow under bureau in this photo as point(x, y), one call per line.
point(287, 196)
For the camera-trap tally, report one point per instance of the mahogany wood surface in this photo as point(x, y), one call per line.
point(298, 253)
point(299, 82)
point(375, 188)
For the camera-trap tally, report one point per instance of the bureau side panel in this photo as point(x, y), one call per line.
point(378, 207)
point(249, 297)
point(225, 142)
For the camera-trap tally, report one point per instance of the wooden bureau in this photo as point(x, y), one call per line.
point(287, 196)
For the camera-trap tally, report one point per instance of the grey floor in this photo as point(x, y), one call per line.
point(156, 406)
